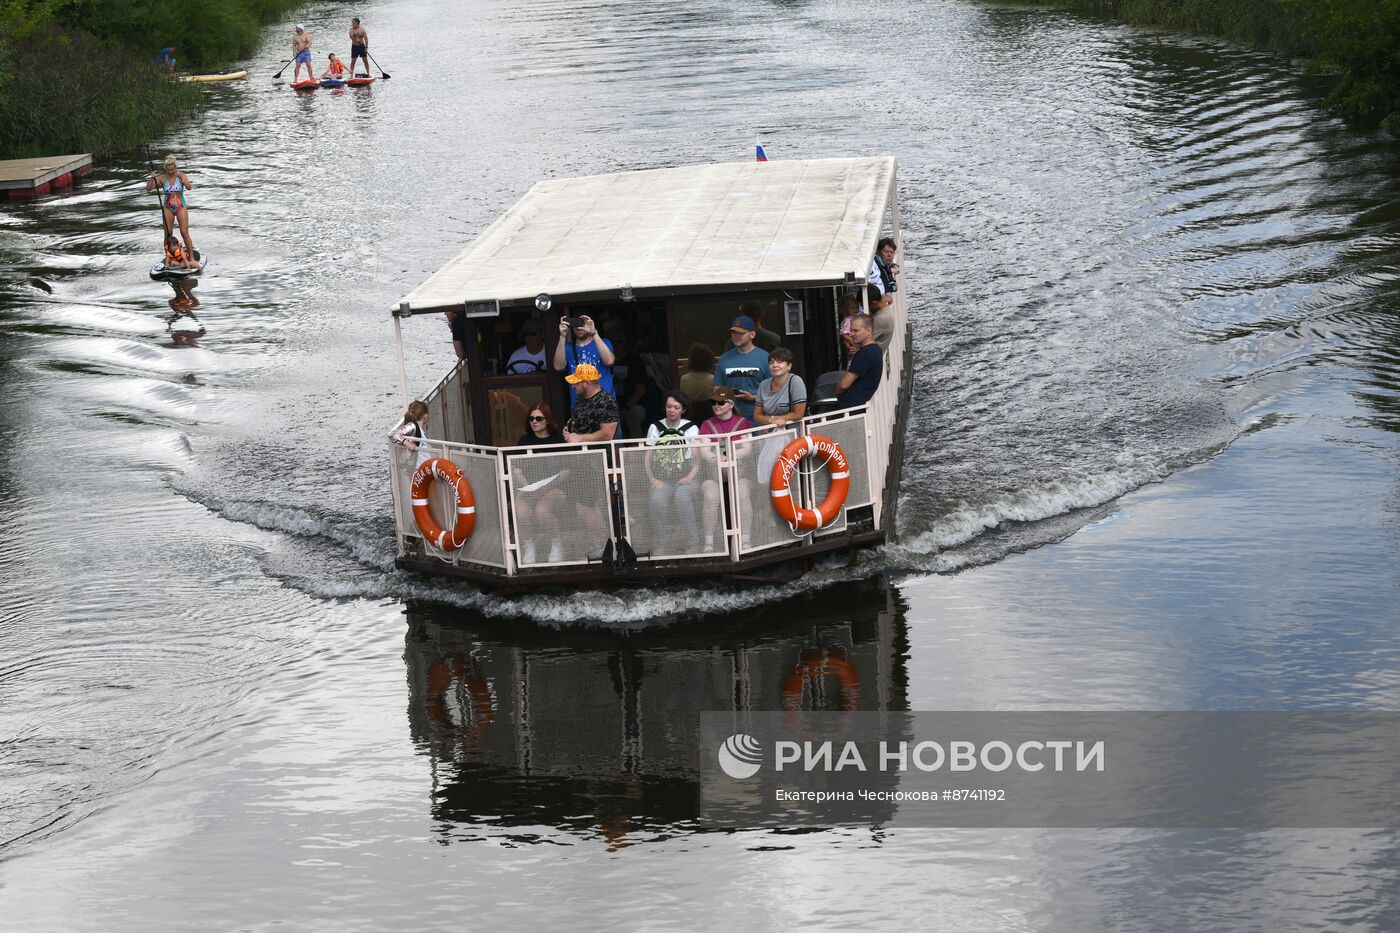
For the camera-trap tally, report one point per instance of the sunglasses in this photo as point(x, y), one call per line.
point(537, 417)
point(721, 401)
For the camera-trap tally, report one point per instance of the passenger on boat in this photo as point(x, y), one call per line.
point(633, 386)
point(586, 348)
point(884, 269)
point(850, 307)
point(763, 338)
point(743, 366)
point(458, 324)
point(698, 380)
point(882, 317)
point(174, 183)
point(539, 492)
point(867, 365)
point(782, 398)
point(529, 358)
point(410, 431)
point(724, 421)
point(594, 417)
point(672, 467)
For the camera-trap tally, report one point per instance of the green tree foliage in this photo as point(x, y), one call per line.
point(82, 75)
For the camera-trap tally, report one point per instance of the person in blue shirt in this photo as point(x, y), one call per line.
point(586, 347)
point(166, 57)
point(743, 366)
point(867, 365)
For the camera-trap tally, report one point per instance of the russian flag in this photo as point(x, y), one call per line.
point(758, 154)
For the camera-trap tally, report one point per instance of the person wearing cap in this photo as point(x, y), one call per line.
point(301, 53)
point(595, 412)
point(585, 347)
point(743, 366)
point(723, 421)
point(530, 357)
point(867, 365)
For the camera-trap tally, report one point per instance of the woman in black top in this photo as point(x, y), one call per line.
point(539, 494)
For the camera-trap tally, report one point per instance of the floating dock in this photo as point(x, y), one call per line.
point(31, 178)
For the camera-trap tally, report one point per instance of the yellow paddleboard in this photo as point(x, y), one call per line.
point(221, 76)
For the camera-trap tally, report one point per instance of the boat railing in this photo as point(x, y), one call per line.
point(556, 507)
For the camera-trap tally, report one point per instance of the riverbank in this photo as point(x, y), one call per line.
point(1354, 40)
point(87, 79)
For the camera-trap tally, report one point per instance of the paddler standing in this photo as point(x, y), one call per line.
point(359, 46)
point(301, 53)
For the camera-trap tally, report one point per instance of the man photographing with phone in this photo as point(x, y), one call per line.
point(579, 343)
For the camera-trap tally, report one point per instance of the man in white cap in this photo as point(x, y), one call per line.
point(301, 53)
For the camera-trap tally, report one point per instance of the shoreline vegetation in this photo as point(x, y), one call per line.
point(83, 77)
point(1354, 42)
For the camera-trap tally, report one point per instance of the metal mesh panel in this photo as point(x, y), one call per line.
point(849, 433)
point(485, 546)
point(448, 402)
point(402, 463)
point(668, 518)
point(560, 506)
point(754, 456)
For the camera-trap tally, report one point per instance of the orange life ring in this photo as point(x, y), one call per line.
point(834, 457)
point(812, 667)
point(443, 469)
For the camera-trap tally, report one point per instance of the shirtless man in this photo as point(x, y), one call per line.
point(301, 53)
point(359, 46)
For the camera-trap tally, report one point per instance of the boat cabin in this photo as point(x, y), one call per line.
point(661, 262)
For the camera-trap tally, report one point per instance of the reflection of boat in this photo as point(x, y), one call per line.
point(594, 730)
point(664, 259)
point(161, 273)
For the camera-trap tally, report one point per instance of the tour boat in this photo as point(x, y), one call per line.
point(661, 259)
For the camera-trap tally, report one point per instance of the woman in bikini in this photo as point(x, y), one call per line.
point(173, 185)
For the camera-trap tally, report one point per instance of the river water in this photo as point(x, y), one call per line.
point(1152, 464)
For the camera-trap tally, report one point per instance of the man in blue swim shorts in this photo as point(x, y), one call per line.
point(301, 53)
point(359, 46)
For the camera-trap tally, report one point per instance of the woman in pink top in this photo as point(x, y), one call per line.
point(724, 420)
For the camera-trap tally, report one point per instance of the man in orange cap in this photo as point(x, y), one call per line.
point(595, 414)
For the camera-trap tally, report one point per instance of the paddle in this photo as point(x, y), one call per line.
point(283, 68)
point(382, 73)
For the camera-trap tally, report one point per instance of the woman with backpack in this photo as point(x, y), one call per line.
point(672, 468)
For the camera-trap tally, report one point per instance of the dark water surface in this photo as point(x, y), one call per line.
point(1157, 313)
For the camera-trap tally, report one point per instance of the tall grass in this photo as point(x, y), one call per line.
point(82, 76)
point(68, 92)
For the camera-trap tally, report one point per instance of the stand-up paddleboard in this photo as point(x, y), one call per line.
point(360, 81)
point(161, 274)
point(305, 84)
point(332, 82)
point(221, 76)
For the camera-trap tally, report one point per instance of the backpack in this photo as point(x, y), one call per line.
point(669, 464)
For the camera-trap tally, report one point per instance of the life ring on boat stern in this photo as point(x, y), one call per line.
point(445, 470)
point(831, 454)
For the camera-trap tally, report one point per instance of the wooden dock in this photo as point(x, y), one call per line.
point(32, 178)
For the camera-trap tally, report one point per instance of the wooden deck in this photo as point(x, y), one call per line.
point(32, 178)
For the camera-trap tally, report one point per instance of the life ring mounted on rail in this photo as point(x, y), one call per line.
point(831, 454)
point(445, 470)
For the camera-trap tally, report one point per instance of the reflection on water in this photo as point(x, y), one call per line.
point(598, 733)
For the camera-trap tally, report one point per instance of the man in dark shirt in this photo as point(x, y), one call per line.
point(458, 323)
point(867, 365)
point(595, 412)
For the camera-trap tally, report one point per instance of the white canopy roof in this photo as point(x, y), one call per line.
point(743, 223)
